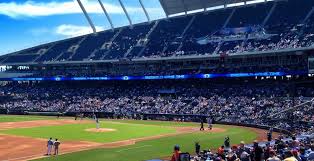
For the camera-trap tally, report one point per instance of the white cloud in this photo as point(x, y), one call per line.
point(39, 31)
point(69, 30)
point(34, 9)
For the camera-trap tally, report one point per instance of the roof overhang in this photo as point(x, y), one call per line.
point(172, 7)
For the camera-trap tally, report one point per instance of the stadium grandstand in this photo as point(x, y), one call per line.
point(240, 36)
point(238, 62)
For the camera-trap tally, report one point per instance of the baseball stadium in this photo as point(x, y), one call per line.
point(157, 80)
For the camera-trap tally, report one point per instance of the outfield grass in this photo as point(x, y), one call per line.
point(127, 129)
point(160, 148)
point(160, 123)
point(74, 132)
point(19, 118)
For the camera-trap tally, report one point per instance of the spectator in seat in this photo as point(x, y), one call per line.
point(176, 153)
point(311, 154)
point(302, 154)
point(295, 142)
point(257, 152)
point(289, 156)
point(267, 150)
point(232, 156)
point(245, 156)
point(221, 151)
point(273, 156)
point(295, 153)
point(242, 149)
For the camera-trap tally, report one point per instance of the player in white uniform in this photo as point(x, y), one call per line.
point(97, 123)
point(210, 123)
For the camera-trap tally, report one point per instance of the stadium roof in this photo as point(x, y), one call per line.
point(172, 7)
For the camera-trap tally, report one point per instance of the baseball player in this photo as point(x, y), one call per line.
point(202, 125)
point(56, 145)
point(49, 146)
point(210, 123)
point(97, 123)
point(81, 116)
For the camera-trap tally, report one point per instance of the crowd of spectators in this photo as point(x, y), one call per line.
point(275, 104)
point(272, 43)
point(281, 148)
point(280, 31)
point(251, 104)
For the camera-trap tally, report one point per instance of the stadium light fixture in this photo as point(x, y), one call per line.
point(126, 12)
point(86, 16)
point(107, 15)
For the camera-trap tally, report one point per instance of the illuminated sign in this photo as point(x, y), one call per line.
point(159, 77)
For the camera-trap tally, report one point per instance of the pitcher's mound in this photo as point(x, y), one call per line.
point(100, 130)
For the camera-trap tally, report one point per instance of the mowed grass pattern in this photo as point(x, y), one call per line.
point(77, 132)
point(17, 118)
point(128, 129)
point(160, 148)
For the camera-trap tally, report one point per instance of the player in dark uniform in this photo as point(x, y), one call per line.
point(227, 142)
point(197, 148)
point(269, 136)
point(56, 145)
point(202, 125)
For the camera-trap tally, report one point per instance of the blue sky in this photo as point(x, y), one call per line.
point(25, 23)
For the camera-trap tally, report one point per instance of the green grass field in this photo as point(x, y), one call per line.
point(127, 129)
point(160, 148)
point(18, 118)
point(74, 132)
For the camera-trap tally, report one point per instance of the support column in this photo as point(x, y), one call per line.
point(126, 12)
point(86, 16)
point(107, 15)
point(144, 9)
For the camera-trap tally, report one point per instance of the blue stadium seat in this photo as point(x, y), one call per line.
point(57, 49)
point(174, 36)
